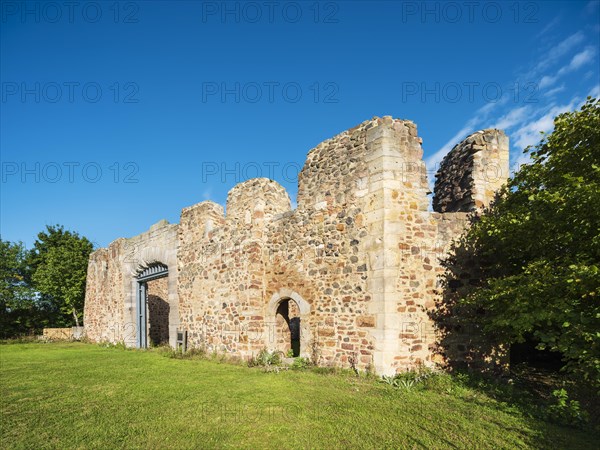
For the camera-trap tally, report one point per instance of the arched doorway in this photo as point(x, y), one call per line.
point(152, 306)
point(287, 323)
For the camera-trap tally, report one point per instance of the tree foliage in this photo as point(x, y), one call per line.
point(20, 310)
point(59, 262)
point(533, 256)
point(43, 287)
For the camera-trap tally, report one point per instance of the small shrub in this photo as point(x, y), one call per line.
point(176, 353)
point(564, 411)
point(300, 364)
point(388, 379)
point(440, 382)
point(405, 384)
point(266, 358)
point(400, 381)
point(422, 376)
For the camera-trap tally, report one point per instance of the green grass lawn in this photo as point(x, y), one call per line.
point(75, 395)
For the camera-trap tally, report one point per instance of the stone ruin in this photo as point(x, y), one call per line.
point(345, 279)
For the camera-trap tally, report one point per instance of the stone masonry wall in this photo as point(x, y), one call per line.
point(103, 309)
point(110, 310)
point(472, 172)
point(259, 257)
point(359, 257)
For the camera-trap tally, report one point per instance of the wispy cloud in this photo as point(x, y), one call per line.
point(555, 90)
point(479, 119)
point(555, 53)
point(513, 118)
point(434, 160)
point(584, 57)
point(529, 132)
point(548, 27)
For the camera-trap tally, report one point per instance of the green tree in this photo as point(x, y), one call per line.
point(20, 311)
point(59, 267)
point(533, 257)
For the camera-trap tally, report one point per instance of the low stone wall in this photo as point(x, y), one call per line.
point(63, 334)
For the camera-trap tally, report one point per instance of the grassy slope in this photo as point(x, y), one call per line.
point(78, 395)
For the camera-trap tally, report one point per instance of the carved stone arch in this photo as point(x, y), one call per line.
point(151, 280)
point(284, 294)
point(273, 308)
point(146, 257)
point(154, 270)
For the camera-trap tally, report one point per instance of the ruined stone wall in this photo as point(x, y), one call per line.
point(405, 243)
point(110, 311)
point(359, 258)
point(360, 250)
point(423, 247)
point(472, 172)
point(234, 277)
point(103, 316)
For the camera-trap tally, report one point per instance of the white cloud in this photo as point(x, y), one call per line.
point(548, 27)
point(480, 117)
point(555, 53)
point(512, 118)
point(579, 60)
point(529, 133)
point(547, 81)
point(434, 160)
point(556, 90)
point(588, 74)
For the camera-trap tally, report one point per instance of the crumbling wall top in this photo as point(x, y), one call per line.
point(256, 199)
point(472, 172)
point(336, 171)
point(198, 221)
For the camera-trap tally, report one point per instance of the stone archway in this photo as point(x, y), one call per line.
point(152, 305)
point(288, 317)
point(141, 254)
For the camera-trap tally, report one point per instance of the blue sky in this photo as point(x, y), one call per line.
point(115, 115)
